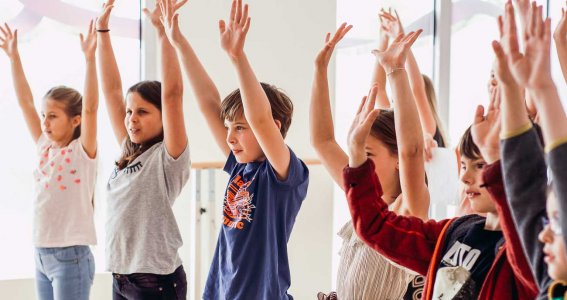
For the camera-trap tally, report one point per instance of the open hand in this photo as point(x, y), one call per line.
point(486, 129)
point(102, 21)
point(155, 14)
point(9, 40)
point(390, 24)
point(170, 20)
point(88, 44)
point(324, 56)
point(560, 33)
point(360, 129)
point(233, 36)
point(395, 56)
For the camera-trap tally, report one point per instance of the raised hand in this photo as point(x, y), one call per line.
point(102, 21)
point(486, 130)
point(501, 68)
point(170, 21)
point(523, 7)
point(324, 56)
point(155, 15)
point(9, 40)
point(533, 68)
point(233, 35)
point(390, 24)
point(360, 129)
point(395, 56)
point(560, 33)
point(88, 43)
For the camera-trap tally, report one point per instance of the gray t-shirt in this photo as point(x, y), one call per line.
point(141, 232)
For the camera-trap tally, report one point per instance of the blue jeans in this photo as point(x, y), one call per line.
point(64, 273)
point(146, 286)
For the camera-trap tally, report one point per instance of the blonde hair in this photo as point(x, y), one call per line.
point(432, 99)
point(73, 101)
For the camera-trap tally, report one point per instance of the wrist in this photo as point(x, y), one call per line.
point(490, 154)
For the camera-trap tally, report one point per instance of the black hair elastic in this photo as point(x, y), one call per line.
point(102, 30)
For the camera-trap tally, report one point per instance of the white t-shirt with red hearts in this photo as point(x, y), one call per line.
point(64, 189)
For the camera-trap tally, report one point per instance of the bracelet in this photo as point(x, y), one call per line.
point(102, 30)
point(394, 70)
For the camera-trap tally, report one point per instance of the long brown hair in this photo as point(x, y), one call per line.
point(432, 99)
point(71, 99)
point(151, 92)
point(384, 129)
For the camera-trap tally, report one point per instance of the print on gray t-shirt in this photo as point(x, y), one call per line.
point(141, 232)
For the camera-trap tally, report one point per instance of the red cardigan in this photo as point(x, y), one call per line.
point(415, 244)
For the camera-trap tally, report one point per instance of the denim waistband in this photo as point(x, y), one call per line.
point(52, 250)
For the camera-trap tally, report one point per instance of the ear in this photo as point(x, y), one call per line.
point(397, 164)
point(76, 121)
point(278, 123)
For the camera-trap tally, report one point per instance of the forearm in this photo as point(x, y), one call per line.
point(109, 73)
point(514, 114)
point(320, 116)
point(254, 100)
point(21, 85)
point(408, 127)
point(553, 120)
point(379, 77)
point(561, 48)
point(171, 81)
point(427, 120)
point(90, 95)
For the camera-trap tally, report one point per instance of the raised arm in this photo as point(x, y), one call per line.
point(256, 105)
point(110, 75)
point(426, 117)
point(9, 44)
point(409, 134)
point(560, 37)
point(204, 89)
point(320, 117)
point(378, 74)
point(90, 95)
point(174, 133)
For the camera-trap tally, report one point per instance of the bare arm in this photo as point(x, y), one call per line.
point(206, 93)
point(110, 75)
point(257, 109)
point(174, 133)
point(320, 117)
point(9, 43)
point(408, 128)
point(560, 37)
point(378, 75)
point(90, 95)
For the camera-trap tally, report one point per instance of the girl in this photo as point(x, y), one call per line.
point(463, 257)
point(65, 137)
point(397, 148)
point(142, 237)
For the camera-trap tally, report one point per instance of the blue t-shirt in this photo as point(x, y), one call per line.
point(250, 259)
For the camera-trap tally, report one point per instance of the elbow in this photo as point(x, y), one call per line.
point(411, 151)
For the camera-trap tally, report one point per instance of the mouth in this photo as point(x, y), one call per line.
point(236, 151)
point(134, 131)
point(472, 194)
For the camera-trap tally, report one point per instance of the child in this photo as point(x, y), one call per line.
point(267, 181)
point(142, 236)
point(65, 177)
point(364, 273)
point(463, 257)
point(523, 161)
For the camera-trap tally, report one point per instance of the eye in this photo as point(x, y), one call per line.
point(480, 166)
point(239, 128)
point(369, 154)
point(128, 112)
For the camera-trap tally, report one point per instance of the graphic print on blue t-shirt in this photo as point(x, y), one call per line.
point(259, 211)
point(466, 261)
point(238, 205)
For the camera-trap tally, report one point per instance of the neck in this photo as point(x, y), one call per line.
point(492, 222)
point(62, 143)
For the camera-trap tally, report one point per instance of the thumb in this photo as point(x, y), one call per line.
point(222, 26)
point(147, 12)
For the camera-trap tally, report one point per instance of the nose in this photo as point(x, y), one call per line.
point(545, 236)
point(230, 138)
point(467, 177)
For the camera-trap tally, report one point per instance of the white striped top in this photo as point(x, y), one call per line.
point(364, 274)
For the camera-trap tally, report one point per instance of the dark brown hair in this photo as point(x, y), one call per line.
point(71, 99)
point(384, 129)
point(151, 92)
point(467, 147)
point(282, 107)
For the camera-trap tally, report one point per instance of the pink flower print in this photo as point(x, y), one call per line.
point(60, 168)
point(73, 171)
point(69, 150)
point(63, 152)
point(52, 164)
point(46, 185)
point(68, 160)
point(46, 154)
point(44, 173)
point(62, 187)
point(59, 177)
point(41, 162)
point(77, 181)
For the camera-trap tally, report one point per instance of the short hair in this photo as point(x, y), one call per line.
point(280, 103)
point(467, 147)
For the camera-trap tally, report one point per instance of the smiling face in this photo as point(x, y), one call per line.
point(143, 119)
point(471, 177)
point(242, 141)
point(554, 243)
point(57, 126)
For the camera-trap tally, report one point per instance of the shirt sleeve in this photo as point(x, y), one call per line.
point(230, 163)
point(492, 177)
point(407, 241)
point(298, 173)
point(558, 165)
point(525, 183)
point(176, 171)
